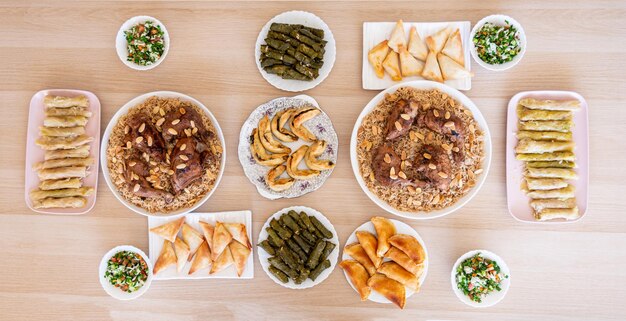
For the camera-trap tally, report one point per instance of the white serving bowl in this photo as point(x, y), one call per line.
point(121, 43)
point(491, 298)
point(123, 111)
point(498, 20)
point(458, 96)
point(112, 290)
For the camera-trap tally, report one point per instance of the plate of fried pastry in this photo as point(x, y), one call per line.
point(385, 261)
point(547, 156)
point(62, 151)
point(420, 149)
point(288, 147)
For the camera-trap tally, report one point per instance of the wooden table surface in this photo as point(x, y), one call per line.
point(559, 272)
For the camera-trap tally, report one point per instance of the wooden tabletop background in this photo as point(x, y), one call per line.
point(49, 263)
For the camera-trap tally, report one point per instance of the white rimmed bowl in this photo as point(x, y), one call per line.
point(498, 20)
point(123, 111)
point(112, 290)
point(263, 256)
point(491, 298)
point(458, 96)
point(307, 19)
point(121, 43)
point(401, 228)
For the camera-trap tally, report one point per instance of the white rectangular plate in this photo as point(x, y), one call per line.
point(375, 32)
point(517, 200)
point(35, 154)
point(156, 243)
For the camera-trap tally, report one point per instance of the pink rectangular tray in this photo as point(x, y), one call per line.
point(35, 154)
point(518, 202)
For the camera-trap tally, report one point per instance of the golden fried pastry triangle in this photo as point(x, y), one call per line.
point(450, 69)
point(207, 230)
point(202, 259)
point(358, 277)
point(370, 244)
point(169, 230)
point(239, 233)
point(166, 258)
point(391, 64)
point(376, 56)
point(409, 66)
point(221, 238)
point(240, 255)
point(454, 48)
point(431, 69)
point(193, 238)
point(182, 253)
point(417, 46)
point(438, 40)
point(391, 289)
point(224, 260)
point(397, 37)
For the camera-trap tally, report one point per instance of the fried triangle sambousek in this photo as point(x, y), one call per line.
point(182, 253)
point(207, 230)
point(410, 246)
point(166, 258)
point(239, 233)
point(193, 238)
point(370, 244)
point(384, 230)
point(454, 48)
point(240, 255)
point(391, 289)
point(202, 259)
point(431, 69)
point(394, 271)
point(221, 238)
point(224, 260)
point(397, 37)
point(438, 40)
point(358, 277)
point(417, 46)
point(169, 230)
point(376, 56)
point(451, 69)
point(356, 251)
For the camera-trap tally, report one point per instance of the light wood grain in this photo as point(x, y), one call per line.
point(565, 272)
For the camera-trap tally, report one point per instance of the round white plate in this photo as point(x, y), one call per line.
point(321, 126)
point(307, 19)
point(458, 96)
point(498, 20)
point(112, 290)
point(491, 298)
point(263, 256)
point(401, 228)
point(123, 111)
point(121, 43)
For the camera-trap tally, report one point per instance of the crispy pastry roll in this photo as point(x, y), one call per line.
point(358, 277)
point(539, 205)
point(52, 184)
point(555, 164)
point(553, 213)
point(62, 172)
point(384, 230)
point(169, 230)
point(70, 111)
point(370, 244)
point(529, 146)
point(65, 192)
point(64, 102)
point(62, 202)
point(545, 183)
point(538, 114)
point(356, 251)
point(546, 135)
point(78, 152)
point(547, 125)
point(565, 192)
point(410, 246)
point(63, 162)
point(62, 131)
point(65, 121)
point(403, 260)
point(54, 143)
point(166, 258)
point(394, 271)
point(550, 104)
point(554, 156)
point(565, 173)
point(391, 289)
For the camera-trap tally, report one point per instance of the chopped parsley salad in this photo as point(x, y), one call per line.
point(496, 45)
point(145, 43)
point(127, 271)
point(478, 276)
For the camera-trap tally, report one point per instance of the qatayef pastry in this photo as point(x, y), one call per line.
point(169, 230)
point(417, 46)
point(356, 251)
point(410, 246)
point(277, 125)
point(267, 139)
point(395, 272)
point(376, 56)
point(391, 289)
point(64, 102)
point(166, 258)
point(202, 259)
point(224, 260)
point(384, 230)
point(431, 68)
point(240, 255)
point(315, 150)
point(454, 48)
point(193, 238)
point(358, 276)
point(550, 104)
point(391, 64)
point(397, 37)
point(370, 244)
point(63, 202)
point(182, 252)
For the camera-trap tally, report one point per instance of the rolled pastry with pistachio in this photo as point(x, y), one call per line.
point(550, 104)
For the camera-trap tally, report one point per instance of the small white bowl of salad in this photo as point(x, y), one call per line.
point(497, 42)
point(480, 278)
point(142, 42)
point(125, 272)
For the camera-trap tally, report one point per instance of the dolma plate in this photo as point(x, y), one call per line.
point(35, 154)
point(517, 201)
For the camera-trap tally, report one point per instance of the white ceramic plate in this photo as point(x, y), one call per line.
point(263, 256)
point(375, 32)
point(193, 219)
point(458, 96)
point(498, 20)
point(121, 44)
point(35, 154)
point(517, 201)
point(309, 20)
point(123, 111)
point(321, 126)
point(112, 290)
point(491, 298)
point(401, 228)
